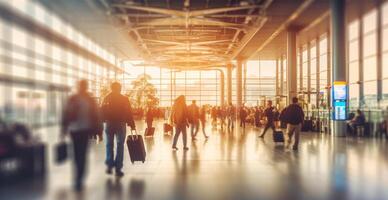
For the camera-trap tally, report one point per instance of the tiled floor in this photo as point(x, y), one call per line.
point(234, 165)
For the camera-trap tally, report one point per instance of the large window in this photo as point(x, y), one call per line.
point(313, 74)
point(41, 69)
point(370, 57)
point(384, 25)
point(323, 71)
point(260, 83)
point(353, 62)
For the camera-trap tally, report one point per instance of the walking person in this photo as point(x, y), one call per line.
point(149, 117)
point(117, 114)
point(202, 119)
point(257, 117)
point(82, 120)
point(243, 116)
point(194, 119)
point(179, 118)
point(214, 116)
point(231, 112)
point(293, 116)
point(269, 114)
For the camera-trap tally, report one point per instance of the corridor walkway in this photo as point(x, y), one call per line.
point(234, 165)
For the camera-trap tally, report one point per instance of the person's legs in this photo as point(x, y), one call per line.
point(272, 125)
point(289, 135)
point(120, 140)
point(267, 126)
point(80, 145)
point(297, 135)
point(203, 124)
point(192, 127)
point(176, 136)
point(184, 137)
point(196, 128)
point(109, 135)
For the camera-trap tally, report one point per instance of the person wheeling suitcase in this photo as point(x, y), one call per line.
point(293, 116)
point(269, 114)
point(117, 114)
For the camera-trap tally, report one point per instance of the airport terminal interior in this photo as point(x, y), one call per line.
point(232, 58)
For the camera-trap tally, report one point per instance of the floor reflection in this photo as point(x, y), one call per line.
point(229, 165)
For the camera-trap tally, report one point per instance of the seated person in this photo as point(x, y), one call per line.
point(358, 120)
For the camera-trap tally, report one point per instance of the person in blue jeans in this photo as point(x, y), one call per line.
point(179, 117)
point(117, 114)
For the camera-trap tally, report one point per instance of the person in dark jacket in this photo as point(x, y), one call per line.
point(269, 114)
point(149, 117)
point(202, 119)
point(243, 116)
point(293, 116)
point(81, 119)
point(180, 117)
point(117, 114)
point(194, 119)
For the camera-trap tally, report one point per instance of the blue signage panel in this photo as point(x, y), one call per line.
point(340, 95)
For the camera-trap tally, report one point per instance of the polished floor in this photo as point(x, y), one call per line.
point(229, 165)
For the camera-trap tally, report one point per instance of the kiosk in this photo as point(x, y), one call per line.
point(340, 110)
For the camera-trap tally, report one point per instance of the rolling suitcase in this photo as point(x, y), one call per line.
point(167, 128)
point(307, 125)
point(136, 147)
point(149, 132)
point(278, 136)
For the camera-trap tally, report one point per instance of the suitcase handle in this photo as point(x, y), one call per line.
point(133, 135)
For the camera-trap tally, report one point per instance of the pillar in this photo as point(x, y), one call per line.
point(318, 65)
point(291, 65)
point(229, 82)
point(281, 76)
point(239, 83)
point(277, 78)
point(338, 29)
point(222, 86)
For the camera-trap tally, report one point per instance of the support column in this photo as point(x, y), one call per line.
point(299, 70)
point(318, 66)
point(222, 86)
point(291, 65)
point(338, 56)
point(282, 76)
point(308, 88)
point(277, 78)
point(239, 83)
point(229, 82)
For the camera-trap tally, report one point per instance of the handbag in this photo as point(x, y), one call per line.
point(61, 152)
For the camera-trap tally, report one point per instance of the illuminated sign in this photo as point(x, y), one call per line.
point(340, 94)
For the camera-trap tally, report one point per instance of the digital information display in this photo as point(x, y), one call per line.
point(339, 100)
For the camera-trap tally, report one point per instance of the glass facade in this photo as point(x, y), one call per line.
point(384, 29)
point(37, 72)
point(202, 86)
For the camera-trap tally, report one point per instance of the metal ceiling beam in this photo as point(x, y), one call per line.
point(184, 14)
point(184, 22)
point(285, 24)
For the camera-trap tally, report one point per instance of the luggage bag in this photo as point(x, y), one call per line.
point(278, 136)
point(149, 132)
point(167, 128)
point(136, 147)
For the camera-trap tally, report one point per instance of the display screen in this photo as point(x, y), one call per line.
point(339, 92)
point(340, 110)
